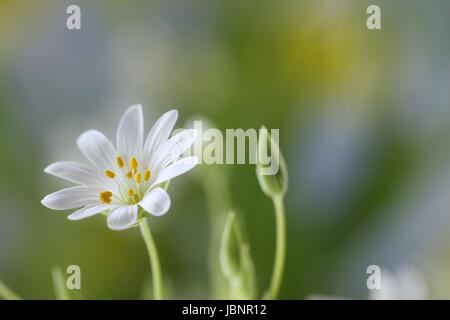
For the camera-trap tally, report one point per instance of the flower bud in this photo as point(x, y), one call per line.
point(236, 262)
point(270, 168)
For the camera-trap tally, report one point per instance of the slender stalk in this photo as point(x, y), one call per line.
point(218, 199)
point(280, 249)
point(7, 294)
point(59, 284)
point(154, 259)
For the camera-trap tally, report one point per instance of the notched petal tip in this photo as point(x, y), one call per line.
point(55, 168)
point(122, 218)
point(185, 136)
point(72, 218)
point(135, 108)
point(130, 131)
point(86, 212)
point(75, 172)
point(160, 132)
point(86, 136)
point(97, 148)
point(157, 202)
point(48, 168)
point(172, 114)
point(45, 202)
point(175, 169)
point(50, 202)
point(71, 198)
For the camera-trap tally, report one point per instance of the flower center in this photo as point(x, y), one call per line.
point(131, 183)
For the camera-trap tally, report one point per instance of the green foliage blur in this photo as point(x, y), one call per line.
point(364, 119)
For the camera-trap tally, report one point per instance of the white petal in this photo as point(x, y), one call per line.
point(172, 149)
point(122, 217)
point(175, 169)
point(98, 149)
point(130, 132)
point(156, 202)
point(71, 198)
point(159, 133)
point(75, 172)
point(89, 211)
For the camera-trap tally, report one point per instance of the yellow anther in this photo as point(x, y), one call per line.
point(147, 175)
point(109, 174)
point(129, 174)
point(133, 164)
point(136, 198)
point(119, 161)
point(105, 196)
point(137, 177)
point(130, 192)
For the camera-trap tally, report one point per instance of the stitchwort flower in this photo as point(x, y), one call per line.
point(126, 179)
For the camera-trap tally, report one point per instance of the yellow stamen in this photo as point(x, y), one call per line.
point(130, 192)
point(109, 174)
point(136, 198)
point(129, 174)
point(119, 161)
point(147, 175)
point(133, 164)
point(137, 177)
point(105, 196)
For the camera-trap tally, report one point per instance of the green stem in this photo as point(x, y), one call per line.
point(154, 259)
point(280, 249)
point(59, 284)
point(218, 200)
point(6, 293)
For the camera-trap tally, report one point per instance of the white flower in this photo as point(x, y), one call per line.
point(127, 176)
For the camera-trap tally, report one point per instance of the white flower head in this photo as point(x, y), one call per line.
point(125, 177)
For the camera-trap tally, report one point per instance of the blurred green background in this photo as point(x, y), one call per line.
point(364, 119)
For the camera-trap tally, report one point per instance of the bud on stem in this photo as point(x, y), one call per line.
point(270, 168)
point(274, 183)
point(236, 262)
